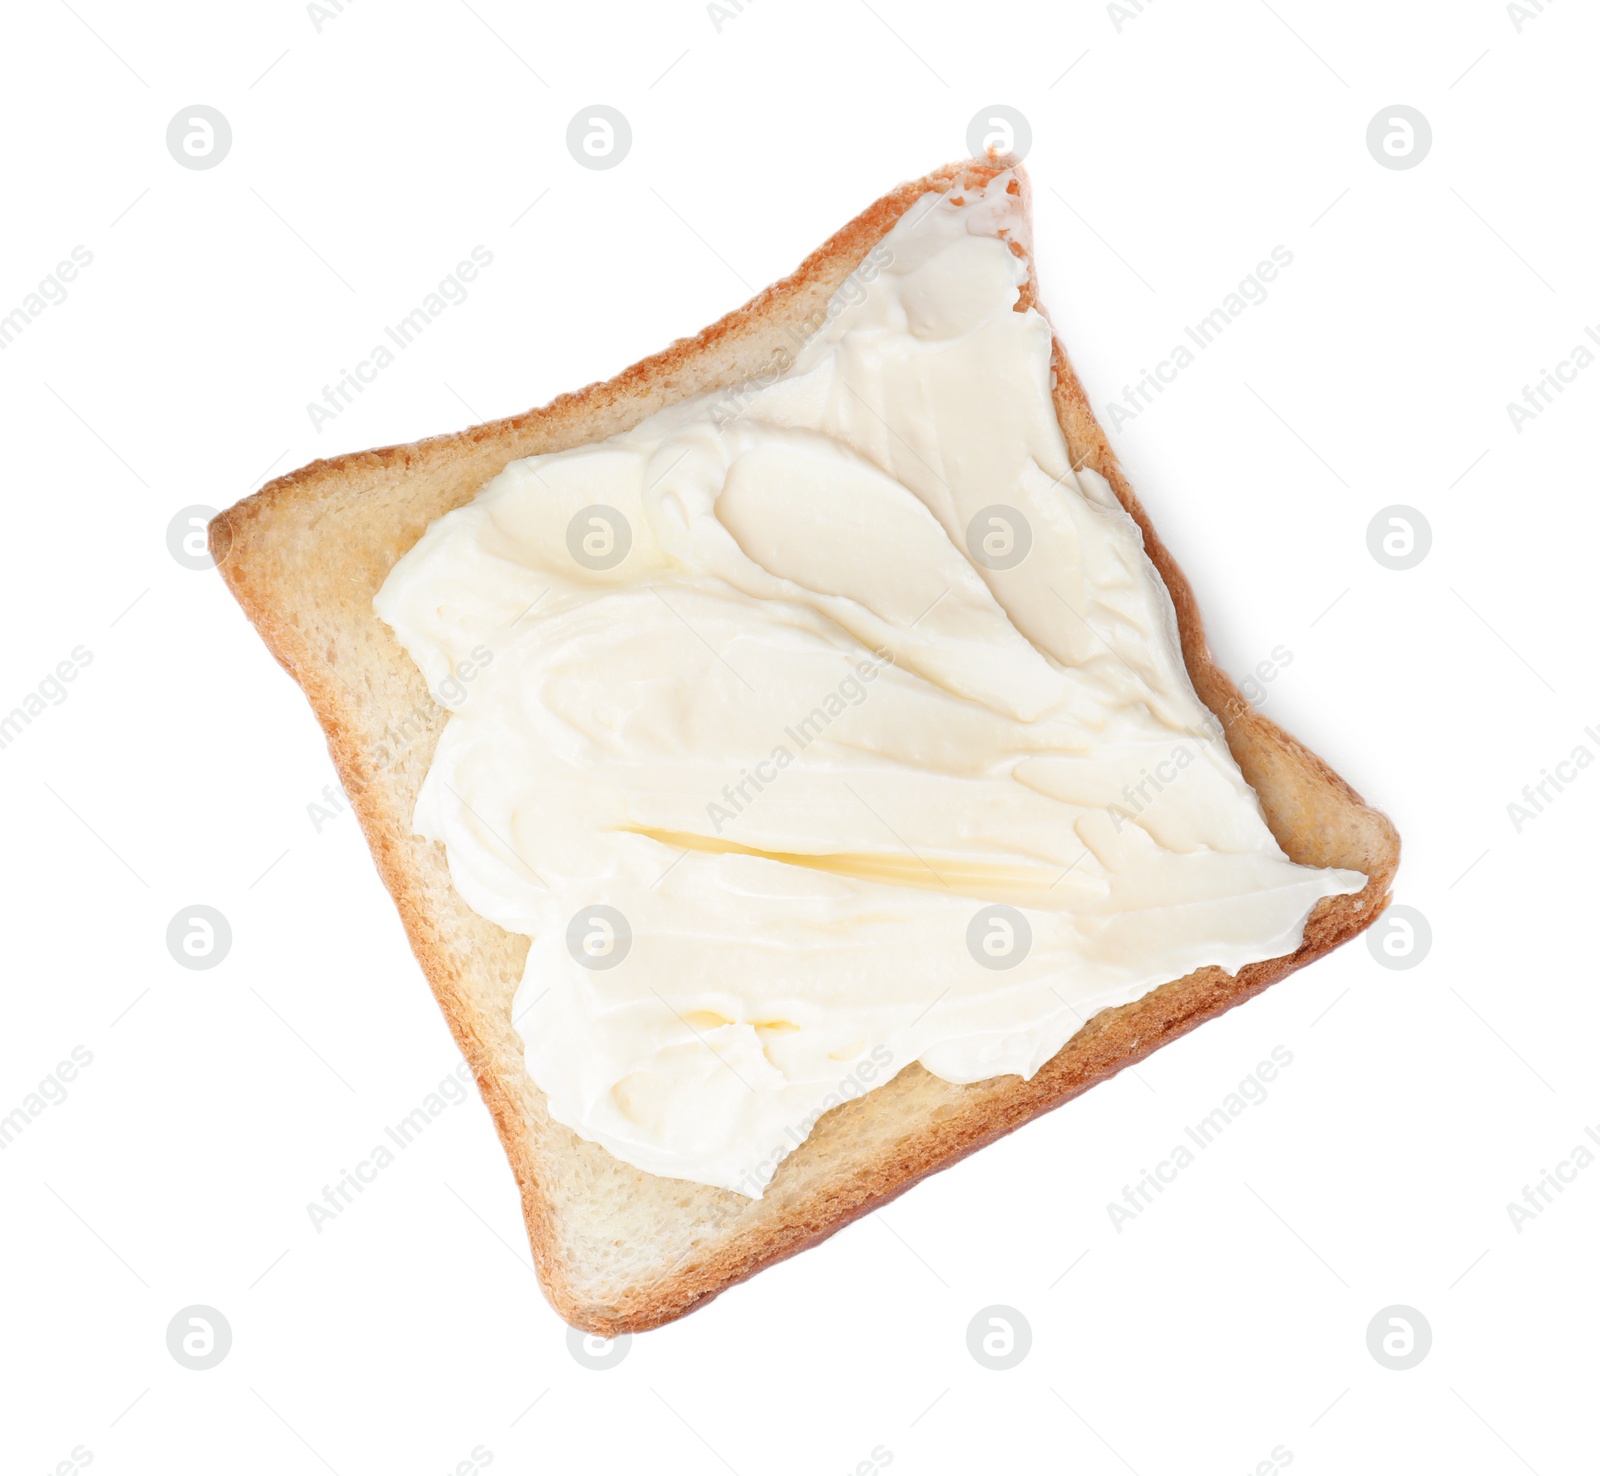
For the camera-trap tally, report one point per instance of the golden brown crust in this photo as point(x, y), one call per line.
point(303, 557)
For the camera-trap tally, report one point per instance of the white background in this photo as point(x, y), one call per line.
point(1171, 152)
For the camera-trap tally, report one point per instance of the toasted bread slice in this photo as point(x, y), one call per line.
point(618, 1250)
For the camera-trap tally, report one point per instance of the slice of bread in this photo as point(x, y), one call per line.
point(617, 1249)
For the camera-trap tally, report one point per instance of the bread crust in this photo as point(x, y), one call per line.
point(303, 557)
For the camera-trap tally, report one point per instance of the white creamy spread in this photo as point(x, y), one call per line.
point(828, 724)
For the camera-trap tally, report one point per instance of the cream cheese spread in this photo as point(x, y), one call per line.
point(828, 725)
